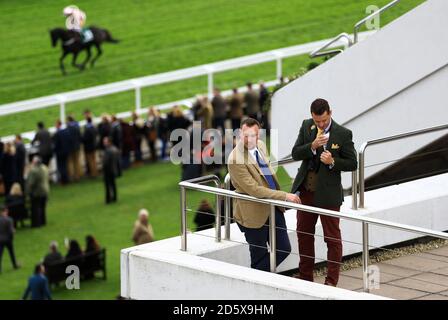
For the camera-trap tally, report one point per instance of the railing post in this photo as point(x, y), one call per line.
point(355, 190)
point(61, 98)
point(183, 217)
point(218, 219)
point(317, 52)
point(62, 112)
point(227, 206)
point(279, 68)
point(365, 255)
point(210, 82)
point(361, 179)
point(138, 99)
point(355, 35)
point(272, 240)
point(349, 42)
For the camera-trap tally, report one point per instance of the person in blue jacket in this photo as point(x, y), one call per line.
point(38, 285)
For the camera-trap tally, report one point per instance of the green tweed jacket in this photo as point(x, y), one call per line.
point(329, 188)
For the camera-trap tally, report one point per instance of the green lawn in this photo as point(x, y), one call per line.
point(159, 36)
point(78, 209)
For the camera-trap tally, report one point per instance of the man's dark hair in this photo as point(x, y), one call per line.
point(37, 268)
point(70, 119)
point(250, 122)
point(89, 120)
point(249, 84)
point(40, 125)
point(320, 106)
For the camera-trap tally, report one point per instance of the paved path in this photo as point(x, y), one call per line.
point(420, 276)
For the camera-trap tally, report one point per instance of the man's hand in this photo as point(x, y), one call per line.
point(319, 141)
point(291, 197)
point(326, 157)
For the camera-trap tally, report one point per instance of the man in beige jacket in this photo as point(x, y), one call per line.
point(252, 174)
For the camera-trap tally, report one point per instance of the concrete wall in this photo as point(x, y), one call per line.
point(178, 276)
point(393, 82)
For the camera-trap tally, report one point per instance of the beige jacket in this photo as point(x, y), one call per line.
point(247, 178)
point(142, 234)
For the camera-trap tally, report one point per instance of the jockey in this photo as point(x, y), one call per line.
point(76, 19)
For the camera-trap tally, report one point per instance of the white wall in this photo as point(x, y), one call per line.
point(393, 82)
point(179, 276)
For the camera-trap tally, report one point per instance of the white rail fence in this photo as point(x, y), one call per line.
point(137, 84)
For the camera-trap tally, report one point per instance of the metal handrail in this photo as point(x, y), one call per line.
point(286, 160)
point(365, 221)
point(317, 53)
point(354, 190)
point(362, 149)
point(183, 205)
point(227, 206)
point(361, 22)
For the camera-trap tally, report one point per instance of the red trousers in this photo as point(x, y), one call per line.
point(306, 226)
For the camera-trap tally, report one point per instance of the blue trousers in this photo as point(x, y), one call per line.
point(259, 238)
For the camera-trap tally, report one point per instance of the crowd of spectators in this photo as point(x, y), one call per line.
point(76, 150)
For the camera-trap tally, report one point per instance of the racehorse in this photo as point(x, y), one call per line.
point(72, 43)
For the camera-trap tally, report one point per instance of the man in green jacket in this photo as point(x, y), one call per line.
point(326, 149)
point(38, 188)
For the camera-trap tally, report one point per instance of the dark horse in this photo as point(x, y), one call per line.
point(72, 43)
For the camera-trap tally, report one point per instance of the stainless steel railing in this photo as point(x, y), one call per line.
point(362, 150)
point(365, 221)
point(183, 206)
point(227, 206)
point(318, 53)
point(361, 22)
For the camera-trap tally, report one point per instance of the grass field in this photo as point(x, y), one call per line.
point(158, 36)
point(77, 210)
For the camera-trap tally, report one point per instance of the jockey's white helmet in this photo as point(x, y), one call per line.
point(69, 10)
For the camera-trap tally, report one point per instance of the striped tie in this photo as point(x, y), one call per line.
point(266, 172)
